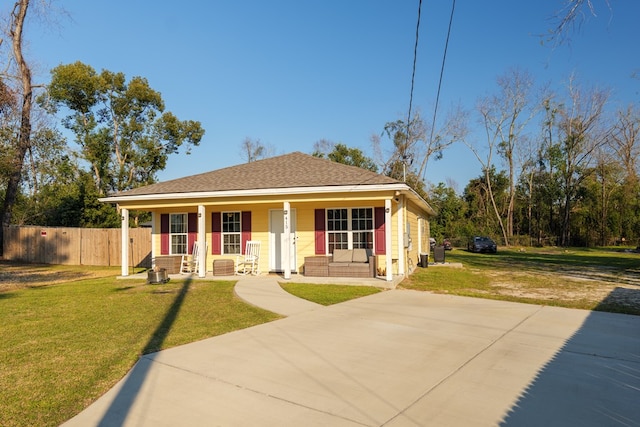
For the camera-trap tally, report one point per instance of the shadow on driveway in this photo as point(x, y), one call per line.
point(593, 380)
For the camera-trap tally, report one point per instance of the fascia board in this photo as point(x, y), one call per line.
point(259, 192)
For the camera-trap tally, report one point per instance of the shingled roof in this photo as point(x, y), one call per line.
point(286, 171)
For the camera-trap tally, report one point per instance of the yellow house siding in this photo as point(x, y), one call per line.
point(305, 233)
point(412, 252)
point(304, 208)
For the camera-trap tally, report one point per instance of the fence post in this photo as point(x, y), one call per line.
point(125, 242)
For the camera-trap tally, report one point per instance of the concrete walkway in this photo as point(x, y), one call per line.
point(265, 292)
point(396, 358)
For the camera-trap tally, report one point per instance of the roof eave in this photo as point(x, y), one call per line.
point(412, 194)
point(257, 192)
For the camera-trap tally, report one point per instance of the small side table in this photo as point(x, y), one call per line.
point(223, 267)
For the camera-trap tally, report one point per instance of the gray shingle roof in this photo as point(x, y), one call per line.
point(286, 171)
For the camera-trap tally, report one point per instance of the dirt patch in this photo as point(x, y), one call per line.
point(19, 276)
point(597, 285)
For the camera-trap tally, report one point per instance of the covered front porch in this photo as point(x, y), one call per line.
point(287, 233)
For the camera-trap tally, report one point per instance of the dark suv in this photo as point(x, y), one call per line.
point(482, 244)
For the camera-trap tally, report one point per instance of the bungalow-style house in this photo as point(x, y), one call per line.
point(296, 205)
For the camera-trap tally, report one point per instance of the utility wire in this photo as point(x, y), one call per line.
point(413, 77)
point(444, 58)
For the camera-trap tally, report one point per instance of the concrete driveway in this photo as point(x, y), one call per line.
point(397, 358)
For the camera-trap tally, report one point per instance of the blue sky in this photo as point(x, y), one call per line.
point(292, 72)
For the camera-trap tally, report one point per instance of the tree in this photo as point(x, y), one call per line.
point(484, 200)
point(485, 108)
point(49, 175)
point(580, 135)
point(625, 142)
point(399, 163)
point(505, 117)
point(453, 130)
point(24, 94)
point(450, 221)
point(340, 153)
point(122, 127)
point(252, 150)
point(571, 14)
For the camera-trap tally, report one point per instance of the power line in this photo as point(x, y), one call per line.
point(413, 77)
point(444, 58)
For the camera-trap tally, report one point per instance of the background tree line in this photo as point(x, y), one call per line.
point(555, 167)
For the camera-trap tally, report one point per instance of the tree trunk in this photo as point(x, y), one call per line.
point(24, 138)
point(495, 208)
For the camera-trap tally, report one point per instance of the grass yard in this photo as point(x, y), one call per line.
point(592, 279)
point(328, 294)
point(69, 334)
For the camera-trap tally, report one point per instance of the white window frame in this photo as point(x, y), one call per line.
point(178, 234)
point(226, 234)
point(350, 231)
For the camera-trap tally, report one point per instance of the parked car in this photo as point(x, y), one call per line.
point(447, 245)
point(482, 244)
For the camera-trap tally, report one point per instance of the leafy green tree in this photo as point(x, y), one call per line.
point(49, 174)
point(482, 200)
point(122, 127)
point(340, 153)
point(450, 219)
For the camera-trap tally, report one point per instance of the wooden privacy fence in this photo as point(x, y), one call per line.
point(76, 246)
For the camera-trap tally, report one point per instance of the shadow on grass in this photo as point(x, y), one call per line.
point(119, 408)
point(593, 380)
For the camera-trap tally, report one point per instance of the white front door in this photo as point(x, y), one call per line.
point(276, 240)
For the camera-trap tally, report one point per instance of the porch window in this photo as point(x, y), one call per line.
point(362, 226)
point(350, 228)
point(178, 233)
point(231, 233)
point(337, 229)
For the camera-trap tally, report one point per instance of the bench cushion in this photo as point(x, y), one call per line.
point(342, 255)
point(360, 255)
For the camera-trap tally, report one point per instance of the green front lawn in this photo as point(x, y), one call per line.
point(328, 294)
point(64, 345)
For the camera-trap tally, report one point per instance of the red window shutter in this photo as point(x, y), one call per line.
point(380, 243)
point(192, 228)
point(320, 232)
point(216, 233)
point(246, 229)
point(164, 234)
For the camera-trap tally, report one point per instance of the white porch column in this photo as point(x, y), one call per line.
point(387, 239)
point(154, 231)
point(401, 229)
point(286, 241)
point(202, 236)
point(124, 214)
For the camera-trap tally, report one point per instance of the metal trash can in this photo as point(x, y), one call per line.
point(424, 260)
point(158, 275)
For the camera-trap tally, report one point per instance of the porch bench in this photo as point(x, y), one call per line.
point(343, 263)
